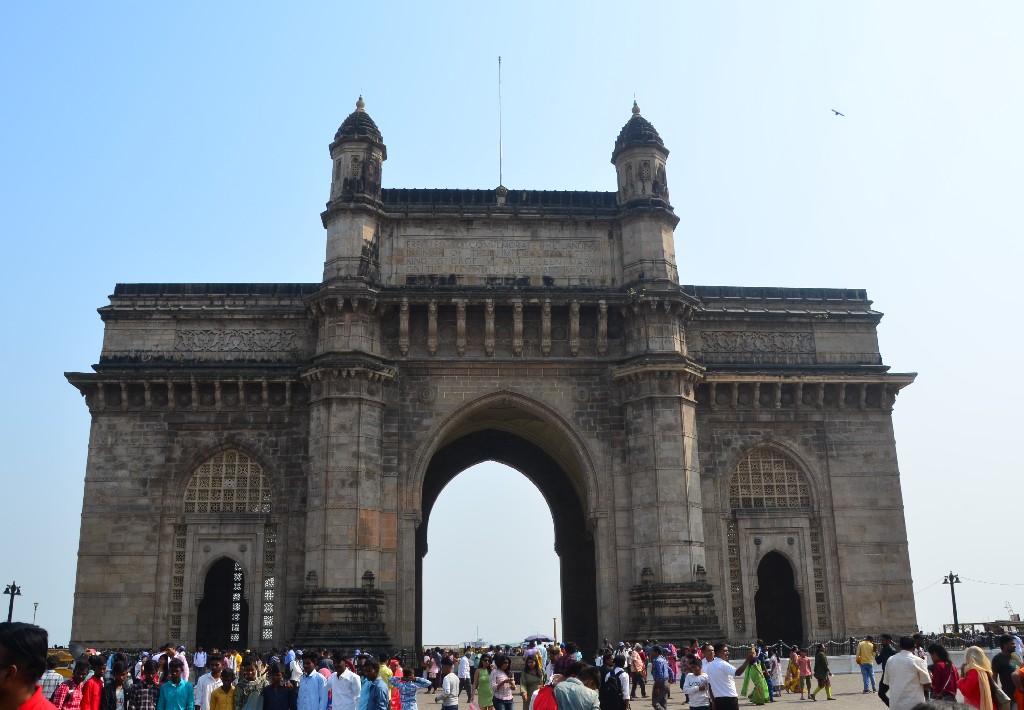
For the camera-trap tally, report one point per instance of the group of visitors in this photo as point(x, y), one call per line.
point(551, 677)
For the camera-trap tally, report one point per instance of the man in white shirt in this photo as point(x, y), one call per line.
point(450, 686)
point(344, 685)
point(907, 677)
point(614, 667)
point(208, 683)
point(722, 677)
point(199, 661)
point(466, 674)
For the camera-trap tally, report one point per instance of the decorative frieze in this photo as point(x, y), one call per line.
point(730, 392)
point(725, 341)
point(233, 340)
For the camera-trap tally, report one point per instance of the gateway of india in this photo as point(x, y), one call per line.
point(719, 461)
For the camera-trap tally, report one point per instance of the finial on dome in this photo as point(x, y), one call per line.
point(360, 104)
point(636, 109)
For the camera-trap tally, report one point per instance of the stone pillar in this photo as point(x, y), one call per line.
point(669, 596)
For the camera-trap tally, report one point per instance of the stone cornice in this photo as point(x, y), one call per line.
point(149, 391)
point(813, 390)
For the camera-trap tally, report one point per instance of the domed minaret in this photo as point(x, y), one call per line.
point(351, 217)
point(639, 158)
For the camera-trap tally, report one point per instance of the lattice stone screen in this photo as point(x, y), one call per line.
point(230, 482)
point(766, 478)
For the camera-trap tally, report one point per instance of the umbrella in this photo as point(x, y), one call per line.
point(539, 637)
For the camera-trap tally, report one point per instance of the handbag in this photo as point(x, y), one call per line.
point(999, 697)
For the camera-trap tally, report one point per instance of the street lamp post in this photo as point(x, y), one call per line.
point(15, 591)
point(35, 610)
point(952, 580)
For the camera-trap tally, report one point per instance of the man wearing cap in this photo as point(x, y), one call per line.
point(22, 662)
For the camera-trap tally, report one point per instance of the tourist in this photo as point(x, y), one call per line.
point(944, 674)
point(208, 682)
point(977, 680)
point(249, 691)
point(466, 674)
point(378, 696)
point(722, 677)
point(223, 696)
point(199, 661)
point(344, 685)
point(92, 689)
point(614, 692)
point(277, 695)
point(450, 687)
point(503, 684)
point(866, 660)
point(531, 678)
point(51, 678)
point(553, 656)
point(707, 656)
point(579, 689)
point(907, 677)
point(294, 670)
point(145, 691)
point(638, 671)
point(482, 684)
point(1004, 664)
point(803, 662)
point(660, 676)
point(115, 694)
point(778, 674)
point(887, 651)
point(408, 685)
point(792, 680)
point(822, 673)
point(23, 661)
point(170, 654)
point(695, 684)
point(177, 693)
point(68, 695)
point(312, 687)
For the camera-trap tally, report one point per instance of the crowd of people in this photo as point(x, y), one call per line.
point(546, 677)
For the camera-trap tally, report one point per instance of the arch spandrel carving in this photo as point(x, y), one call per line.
point(524, 417)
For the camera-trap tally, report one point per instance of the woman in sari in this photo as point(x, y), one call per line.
point(792, 681)
point(976, 681)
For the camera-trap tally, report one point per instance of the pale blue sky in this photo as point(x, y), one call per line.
point(188, 142)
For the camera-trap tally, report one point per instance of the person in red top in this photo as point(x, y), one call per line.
point(68, 695)
point(93, 688)
point(22, 662)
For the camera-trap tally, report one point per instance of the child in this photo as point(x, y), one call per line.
point(407, 688)
point(249, 693)
point(223, 698)
point(277, 695)
point(804, 664)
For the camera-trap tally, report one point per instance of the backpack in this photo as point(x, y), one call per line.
point(610, 693)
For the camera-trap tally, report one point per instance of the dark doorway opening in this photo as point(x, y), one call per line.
point(573, 541)
point(777, 602)
point(223, 617)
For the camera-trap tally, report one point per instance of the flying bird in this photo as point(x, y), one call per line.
point(837, 113)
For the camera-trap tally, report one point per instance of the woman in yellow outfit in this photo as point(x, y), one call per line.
point(792, 681)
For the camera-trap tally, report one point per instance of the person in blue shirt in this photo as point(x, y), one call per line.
point(176, 694)
point(312, 687)
point(660, 674)
point(408, 687)
point(378, 695)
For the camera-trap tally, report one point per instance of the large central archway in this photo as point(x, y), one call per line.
point(573, 541)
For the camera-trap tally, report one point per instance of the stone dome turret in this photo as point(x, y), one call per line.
point(637, 131)
point(359, 126)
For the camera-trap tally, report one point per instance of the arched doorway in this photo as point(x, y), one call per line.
point(573, 542)
point(777, 602)
point(222, 620)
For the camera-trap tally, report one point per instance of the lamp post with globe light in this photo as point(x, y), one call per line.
point(952, 580)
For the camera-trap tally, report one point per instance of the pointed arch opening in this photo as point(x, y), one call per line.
point(574, 543)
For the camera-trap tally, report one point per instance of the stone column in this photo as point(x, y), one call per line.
point(669, 596)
